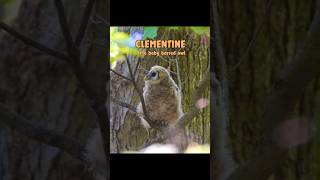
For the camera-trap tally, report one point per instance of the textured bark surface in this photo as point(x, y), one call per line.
point(260, 39)
point(127, 133)
point(45, 90)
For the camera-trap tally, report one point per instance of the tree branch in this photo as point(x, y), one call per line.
point(196, 95)
point(124, 104)
point(280, 104)
point(137, 67)
point(147, 118)
point(98, 20)
point(97, 103)
point(34, 44)
point(64, 26)
point(124, 77)
point(172, 132)
point(41, 134)
point(84, 22)
point(178, 76)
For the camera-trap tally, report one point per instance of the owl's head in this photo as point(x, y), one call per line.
point(156, 75)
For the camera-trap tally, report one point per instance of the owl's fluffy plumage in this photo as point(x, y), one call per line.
point(162, 98)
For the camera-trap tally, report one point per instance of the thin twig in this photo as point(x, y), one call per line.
point(84, 22)
point(34, 44)
point(178, 75)
point(124, 104)
point(98, 104)
point(64, 26)
point(124, 77)
point(137, 66)
point(147, 118)
point(98, 19)
point(41, 134)
point(167, 60)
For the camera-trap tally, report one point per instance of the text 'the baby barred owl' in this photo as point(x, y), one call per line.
point(162, 98)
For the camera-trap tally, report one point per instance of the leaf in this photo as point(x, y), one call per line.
point(150, 32)
point(119, 37)
point(114, 49)
point(122, 44)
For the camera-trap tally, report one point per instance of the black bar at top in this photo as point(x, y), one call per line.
point(160, 13)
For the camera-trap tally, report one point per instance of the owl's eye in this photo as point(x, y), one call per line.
point(153, 74)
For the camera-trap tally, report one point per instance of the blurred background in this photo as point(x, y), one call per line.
point(44, 89)
point(8, 9)
point(259, 39)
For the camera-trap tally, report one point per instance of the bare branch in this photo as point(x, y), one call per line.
point(166, 60)
point(64, 26)
point(84, 22)
point(124, 77)
point(147, 118)
point(178, 76)
point(41, 134)
point(34, 44)
point(137, 67)
point(98, 20)
point(196, 95)
point(98, 104)
point(124, 104)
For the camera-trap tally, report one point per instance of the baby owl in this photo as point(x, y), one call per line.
point(162, 98)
